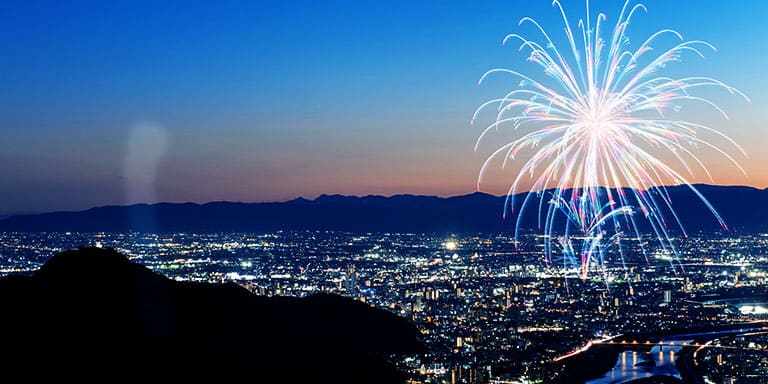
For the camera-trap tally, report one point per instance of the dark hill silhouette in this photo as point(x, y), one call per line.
point(743, 208)
point(92, 315)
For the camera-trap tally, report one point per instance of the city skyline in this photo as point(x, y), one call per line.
point(109, 104)
point(488, 310)
point(350, 191)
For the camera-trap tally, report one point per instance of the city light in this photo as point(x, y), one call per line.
point(496, 297)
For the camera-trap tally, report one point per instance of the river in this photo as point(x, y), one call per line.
point(633, 365)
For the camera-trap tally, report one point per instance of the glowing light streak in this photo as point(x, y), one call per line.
point(591, 136)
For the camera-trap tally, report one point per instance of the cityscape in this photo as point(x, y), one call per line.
point(488, 307)
point(400, 192)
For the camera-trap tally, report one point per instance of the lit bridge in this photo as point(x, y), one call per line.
point(649, 343)
point(755, 328)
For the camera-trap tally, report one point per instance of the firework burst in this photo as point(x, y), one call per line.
point(590, 134)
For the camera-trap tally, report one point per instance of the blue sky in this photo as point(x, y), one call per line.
point(269, 100)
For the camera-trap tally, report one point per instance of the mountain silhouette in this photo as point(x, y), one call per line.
point(742, 208)
point(91, 315)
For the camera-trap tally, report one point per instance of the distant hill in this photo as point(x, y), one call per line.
point(91, 315)
point(743, 208)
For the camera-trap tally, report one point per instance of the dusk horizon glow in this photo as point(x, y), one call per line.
point(105, 104)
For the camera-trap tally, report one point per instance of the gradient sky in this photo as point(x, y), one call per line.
point(133, 101)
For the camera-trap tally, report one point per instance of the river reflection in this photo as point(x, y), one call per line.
point(633, 365)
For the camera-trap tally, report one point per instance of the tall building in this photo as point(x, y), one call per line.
point(667, 296)
point(350, 281)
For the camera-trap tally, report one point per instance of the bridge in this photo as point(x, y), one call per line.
point(648, 343)
point(752, 328)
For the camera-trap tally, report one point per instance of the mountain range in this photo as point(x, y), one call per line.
point(742, 209)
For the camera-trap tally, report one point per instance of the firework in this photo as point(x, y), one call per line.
point(590, 134)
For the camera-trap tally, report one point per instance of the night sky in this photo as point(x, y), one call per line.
point(134, 101)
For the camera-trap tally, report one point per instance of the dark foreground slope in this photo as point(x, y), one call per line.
point(92, 315)
point(742, 208)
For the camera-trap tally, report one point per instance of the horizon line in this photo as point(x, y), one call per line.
point(4, 216)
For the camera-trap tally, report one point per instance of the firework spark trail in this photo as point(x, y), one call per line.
point(589, 135)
